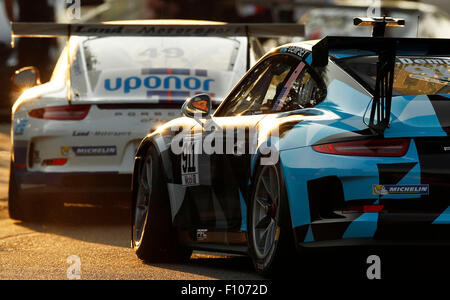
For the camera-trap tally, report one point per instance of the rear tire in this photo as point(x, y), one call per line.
point(15, 203)
point(270, 235)
point(153, 236)
point(24, 208)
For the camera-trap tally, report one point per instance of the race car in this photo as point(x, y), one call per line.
point(74, 138)
point(337, 142)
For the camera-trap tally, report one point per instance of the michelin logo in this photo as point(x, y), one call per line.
point(95, 151)
point(407, 189)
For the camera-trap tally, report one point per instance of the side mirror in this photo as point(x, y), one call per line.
point(26, 77)
point(197, 106)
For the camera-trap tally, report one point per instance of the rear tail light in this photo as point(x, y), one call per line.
point(69, 112)
point(54, 162)
point(373, 208)
point(379, 147)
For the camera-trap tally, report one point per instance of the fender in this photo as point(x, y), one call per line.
point(157, 141)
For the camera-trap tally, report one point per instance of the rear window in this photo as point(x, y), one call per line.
point(414, 75)
point(160, 52)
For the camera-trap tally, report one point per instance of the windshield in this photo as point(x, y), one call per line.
point(414, 75)
point(160, 52)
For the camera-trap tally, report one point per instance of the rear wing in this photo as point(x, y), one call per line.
point(386, 49)
point(411, 46)
point(202, 29)
point(51, 30)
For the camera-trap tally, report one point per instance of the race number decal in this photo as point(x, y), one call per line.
point(189, 162)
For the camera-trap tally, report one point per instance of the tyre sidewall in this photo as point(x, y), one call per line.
point(283, 242)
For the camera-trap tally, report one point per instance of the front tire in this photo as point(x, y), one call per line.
point(270, 237)
point(153, 236)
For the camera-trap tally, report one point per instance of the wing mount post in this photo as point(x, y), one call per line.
point(380, 112)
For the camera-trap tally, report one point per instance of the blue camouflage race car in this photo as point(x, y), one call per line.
point(342, 141)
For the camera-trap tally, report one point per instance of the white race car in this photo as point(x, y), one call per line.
point(75, 136)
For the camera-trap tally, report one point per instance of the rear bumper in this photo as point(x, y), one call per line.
point(378, 229)
point(374, 243)
point(75, 187)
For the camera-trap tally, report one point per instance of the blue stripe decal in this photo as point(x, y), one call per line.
point(363, 227)
point(413, 116)
point(444, 218)
point(345, 53)
point(165, 71)
point(201, 73)
point(181, 94)
point(309, 235)
point(181, 71)
point(309, 59)
point(243, 212)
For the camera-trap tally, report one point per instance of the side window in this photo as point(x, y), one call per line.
point(258, 92)
point(280, 83)
point(303, 93)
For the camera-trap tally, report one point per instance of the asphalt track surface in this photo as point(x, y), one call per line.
point(99, 236)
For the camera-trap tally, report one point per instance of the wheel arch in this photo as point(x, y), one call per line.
point(158, 143)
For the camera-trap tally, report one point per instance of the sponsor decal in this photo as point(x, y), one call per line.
point(432, 69)
point(80, 133)
point(399, 189)
point(202, 234)
point(101, 133)
point(149, 30)
point(112, 133)
point(65, 150)
point(94, 150)
point(20, 126)
point(295, 50)
point(189, 163)
point(423, 61)
point(171, 82)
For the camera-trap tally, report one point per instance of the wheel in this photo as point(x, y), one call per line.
point(20, 207)
point(15, 204)
point(270, 237)
point(153, 236)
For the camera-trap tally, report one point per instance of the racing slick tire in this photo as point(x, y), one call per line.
point(22, 208)
point(15, 204)
point(153, 236)
point(270, 236)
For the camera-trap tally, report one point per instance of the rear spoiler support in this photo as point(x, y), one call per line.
point(380, 113)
